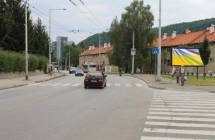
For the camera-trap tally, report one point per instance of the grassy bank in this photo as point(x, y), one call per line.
point(192, 80)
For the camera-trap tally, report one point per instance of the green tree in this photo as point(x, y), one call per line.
point(137, 19)
point(39, 39)
point(74, 52)
point(205, 54)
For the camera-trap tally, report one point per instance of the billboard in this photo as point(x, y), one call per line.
point(186, 57)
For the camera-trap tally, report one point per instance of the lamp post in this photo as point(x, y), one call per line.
point(26, 41)
point(159, 45)
point(50, 27)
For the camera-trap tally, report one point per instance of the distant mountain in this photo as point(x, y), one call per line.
point(179, 28)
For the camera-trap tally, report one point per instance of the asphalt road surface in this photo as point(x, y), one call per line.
point(127, 109)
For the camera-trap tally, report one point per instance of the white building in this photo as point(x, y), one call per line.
point(61, 43)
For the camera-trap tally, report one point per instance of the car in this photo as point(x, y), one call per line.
point(95, 79)
point(85, 70)
point(72, 70)
point(79, 72)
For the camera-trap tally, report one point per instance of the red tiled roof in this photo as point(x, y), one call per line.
point(191, 38)
point(97, 50)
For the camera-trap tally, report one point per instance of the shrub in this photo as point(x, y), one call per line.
point(15, 62)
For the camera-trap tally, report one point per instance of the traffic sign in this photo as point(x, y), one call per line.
point(155, 51)
point(133, 52)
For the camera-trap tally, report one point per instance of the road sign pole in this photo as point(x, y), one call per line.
point(132, 72)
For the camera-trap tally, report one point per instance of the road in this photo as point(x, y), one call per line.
point(127, 109)
point(63, 110)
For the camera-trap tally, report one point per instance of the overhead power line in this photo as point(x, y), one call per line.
point(90, 19)
point(91, 12)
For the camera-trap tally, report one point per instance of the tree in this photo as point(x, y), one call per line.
point(74, 52)
point(205, 54)
point(39, 39)
point(137, 19)
point(12, 29)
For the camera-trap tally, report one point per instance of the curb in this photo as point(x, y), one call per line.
point(147, 82)
point(39, 81)
point(15, 86)
point(52, 78)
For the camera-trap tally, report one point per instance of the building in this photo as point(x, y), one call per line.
point(96, 55)
point(188, 40)
point(61, 43)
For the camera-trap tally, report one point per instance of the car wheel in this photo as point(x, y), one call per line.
point(85, 86)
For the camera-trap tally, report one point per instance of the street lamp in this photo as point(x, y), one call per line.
point(50, 21)
point(26, 40)
point(159, 45)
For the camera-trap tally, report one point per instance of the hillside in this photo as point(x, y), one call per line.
point(179, 28)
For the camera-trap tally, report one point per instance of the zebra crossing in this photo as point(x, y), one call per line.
point(177, 115)
point(79, 84)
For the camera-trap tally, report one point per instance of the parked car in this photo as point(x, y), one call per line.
point(72, 70)
point(79, 72)
point(95, 79)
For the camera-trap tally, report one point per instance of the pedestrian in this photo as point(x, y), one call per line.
point(182, 73)
point(177, 74)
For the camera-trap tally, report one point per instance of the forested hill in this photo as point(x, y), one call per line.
point(94, 40)
point(179, 28)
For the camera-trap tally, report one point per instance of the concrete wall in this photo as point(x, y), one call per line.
point(18, 74)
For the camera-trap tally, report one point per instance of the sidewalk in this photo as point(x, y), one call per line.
point(171, 84)
point(18, 82)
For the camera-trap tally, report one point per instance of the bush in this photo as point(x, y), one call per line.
point(15, 62)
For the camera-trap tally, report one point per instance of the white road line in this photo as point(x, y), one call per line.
point(194, 101)
point(76, 85)
point(182, 107)
point(181, 110)
point(66, 85)
point(54, 85)
point(181, 118)
point(128, 85)
point(185, 114)
point(36, 84)
point(167, 138)
point(117, 84)
point(139, 85)
point(187, 104)
point(180, 124)
point(186, 99)
point(108, 84)
point(176, 131)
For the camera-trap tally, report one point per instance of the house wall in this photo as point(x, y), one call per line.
point(103, 59)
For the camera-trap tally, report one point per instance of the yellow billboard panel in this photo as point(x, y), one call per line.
point(186, 57)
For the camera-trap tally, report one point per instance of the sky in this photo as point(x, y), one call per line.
point(97, 15)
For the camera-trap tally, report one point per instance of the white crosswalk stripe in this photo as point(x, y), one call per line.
point(78, 84)
point(180, 116)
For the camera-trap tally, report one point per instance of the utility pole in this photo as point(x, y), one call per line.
point(69, 59)
point(26, 41)
point(50, 31)
point(50, 43)
point(159, 45)
point(133, 49)
point(99, 50)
